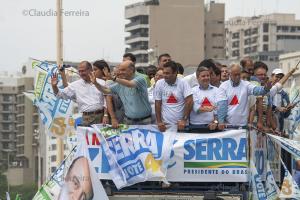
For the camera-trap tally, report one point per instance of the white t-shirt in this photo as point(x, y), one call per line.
point(203, 98)
point(237, 97)
point(191, 80)
point(172, 97)
point(86, 95)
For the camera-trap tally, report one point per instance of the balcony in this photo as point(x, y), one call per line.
point(137, 35)
point(140, 37)
point(138, 48)
point(135, 27)
point(7, 130)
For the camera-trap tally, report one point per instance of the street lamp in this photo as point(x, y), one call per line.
point(37, 139)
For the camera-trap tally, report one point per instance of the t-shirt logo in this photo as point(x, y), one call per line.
point(205, 102)
point(172, 99)
point(234, 101)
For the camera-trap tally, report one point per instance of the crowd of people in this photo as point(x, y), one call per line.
point(214, 97)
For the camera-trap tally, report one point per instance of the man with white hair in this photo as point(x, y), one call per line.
point(232, 97)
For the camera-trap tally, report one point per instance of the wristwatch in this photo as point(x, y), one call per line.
point(185, 118)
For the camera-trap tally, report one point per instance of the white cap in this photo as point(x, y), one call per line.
point(277, 71)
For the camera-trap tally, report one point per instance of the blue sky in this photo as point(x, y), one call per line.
point(98, 35)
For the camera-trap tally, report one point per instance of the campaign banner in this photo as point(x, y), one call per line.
point(76, 178)
point(265, 151)
point(55, 113)
point(289, 188)
point(51, 189)
point(256, 185)
point(291, 146)
point(213, 157)
point(271, 188)
point(294, 117)
point(137, 154)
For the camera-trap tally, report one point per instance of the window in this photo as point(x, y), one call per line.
point(253, 40)
point(236, 53)
point(247, 32)
point(254, 49)
point(5, 117)
point(255, 31)
point(265, 38)
point(235, 44)
point(53, 158)
point(247, 50)
point(266, 47)
point(5, 127)
point(53, 147)
point(265, 28)
point(5, 108)
point(53, 169)
point(5, 145)
point(7, 98)
point(235, 35)
point(247, 41)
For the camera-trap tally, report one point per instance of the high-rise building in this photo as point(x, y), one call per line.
point(19, 120)
point(8, 119)
point(262, 37)
point(185, 29)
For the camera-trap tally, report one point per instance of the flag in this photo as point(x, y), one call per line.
point(17, 197)
point(258, 191)
point(291, 146)
point(55, 113)
point(137, 154)
point(289, 188)
point(7, 196)
point(271, 188)
point(294, 118)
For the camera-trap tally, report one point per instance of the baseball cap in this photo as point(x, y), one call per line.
point(277, 71)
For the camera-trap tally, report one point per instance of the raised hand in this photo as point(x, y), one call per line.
point(93, 77)
point(107, 74)
point(268, 85)
point(54, 80)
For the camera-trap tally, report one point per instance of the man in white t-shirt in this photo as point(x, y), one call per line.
point(173, 99)
point(205, 104)
point(233, 95)
point(192, 78)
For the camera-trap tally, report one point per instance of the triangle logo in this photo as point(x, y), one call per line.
point(205, 102)
point(234, 101)
point(172, 99)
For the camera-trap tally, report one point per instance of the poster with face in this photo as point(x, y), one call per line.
point(81, 181)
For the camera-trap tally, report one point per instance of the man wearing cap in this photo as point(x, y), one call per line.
point(281, 105)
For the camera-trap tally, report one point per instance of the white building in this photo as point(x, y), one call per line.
point(287, 62)
point(262, 37)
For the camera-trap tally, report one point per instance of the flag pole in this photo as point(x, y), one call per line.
point(59, 61)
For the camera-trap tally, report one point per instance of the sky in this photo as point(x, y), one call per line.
point(98, 33)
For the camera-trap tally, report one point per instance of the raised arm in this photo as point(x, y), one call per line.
point(101, 88)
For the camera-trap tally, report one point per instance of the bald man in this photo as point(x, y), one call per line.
point(78, 183)
point(132, 90)
point(232, 97)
